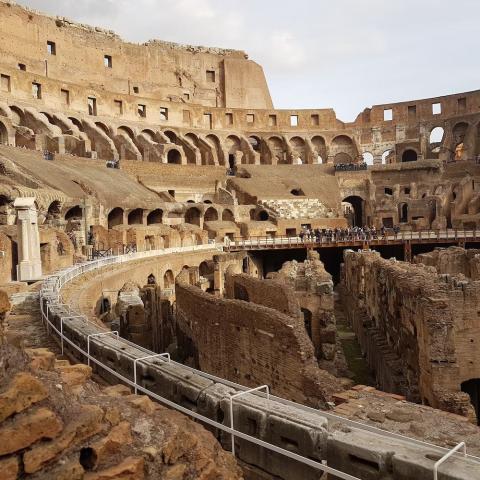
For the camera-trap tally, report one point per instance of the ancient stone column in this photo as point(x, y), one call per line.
point(30, 265)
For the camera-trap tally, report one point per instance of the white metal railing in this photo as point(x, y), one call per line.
point(50, 291)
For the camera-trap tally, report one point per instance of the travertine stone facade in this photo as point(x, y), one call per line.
point(418, 329)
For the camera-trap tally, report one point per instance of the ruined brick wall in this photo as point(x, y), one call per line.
point(313, 290)
point(252, 345)
point(417, 328)
point(453, 261)
point(269, 293)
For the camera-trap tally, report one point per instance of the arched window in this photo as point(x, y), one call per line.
point(409, 156)
point(211, 215)
point(115, 217)
point(174, 157)
point(135, 217)
point(155, 217)
point(368, 158)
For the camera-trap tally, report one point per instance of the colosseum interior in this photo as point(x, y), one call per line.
point(196, 285)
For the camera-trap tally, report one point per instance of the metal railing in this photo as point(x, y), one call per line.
point(339, 240)
point(51, 294)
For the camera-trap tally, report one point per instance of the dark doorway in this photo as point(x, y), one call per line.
point(403, 212)
point(307, 320)
point(357, 207)
point(231, 161)
point(472, 387)
point(409, 156)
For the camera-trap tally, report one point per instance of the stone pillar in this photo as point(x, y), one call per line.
point(29, 261)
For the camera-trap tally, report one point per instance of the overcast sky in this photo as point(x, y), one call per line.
point(344, 54)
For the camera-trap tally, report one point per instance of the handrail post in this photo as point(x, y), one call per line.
point(448, 455)
point(239, 394)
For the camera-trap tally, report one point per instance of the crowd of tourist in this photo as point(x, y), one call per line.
point(345, 234)
point(348, 167)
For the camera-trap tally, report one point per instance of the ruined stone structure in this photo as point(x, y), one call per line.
point(418, 328)
point(162, 154)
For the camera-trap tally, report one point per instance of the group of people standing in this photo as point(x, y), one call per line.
point(345, 234)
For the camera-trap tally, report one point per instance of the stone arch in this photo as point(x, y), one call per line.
point(403, 212)
point(3, 134)
point(436, 136)
point(168, 279)
point(103, 128)
point(233, 144)
point(155, 217)
point(409, 155)
point(356, 213)
point(228, 216)
point(262, 216)
point(367, 158)
point(320, 148)
point(192, 137)
point(135, 217)
point(255, 142)
point(74, 213)
point(193, 216)
point(54, 211)
point(77, 123)
point(150, 134)
point(171, 135)
point(204, 269)
point(115, 217)
point(277, 148)
point(343, 149)
point(211, 215)
point(18, 116)
point(298, 148)
point(174, 157)
point(385, 156)
point(472, 388)
point(124, 130)
point(459, 134)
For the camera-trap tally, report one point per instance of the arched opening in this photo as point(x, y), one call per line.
point(103, 127)
point(3, 134)
point(172, 136)
point(240, 292)
point(343, 149)
point(368, 158)
point(75, 213)
point(77, 123)
point(151, 279)
point(211, 215)
point(354, 210)
point(155, 217)
point(459, 132)
point(192, 216)
point(297, 192)
point(125, 131)
point(263, 216)
point(204, 269)
point(307, 321)
point(168, 279)
point(472, 387)
point(386, 157)
point(233, 144)
point(403, 213)
point(174, 157)
point(319, 148)
point(115, 217)
point(150, 134)
point(409, 156)
point(227, 216)
point(436, 136)
point(135, 217)
point(53, 212)
point(277, 149)
point(255, 143)
point(298, 147)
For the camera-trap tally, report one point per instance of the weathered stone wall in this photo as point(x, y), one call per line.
point(417, 328)
point(453, 261)
point(251, 344)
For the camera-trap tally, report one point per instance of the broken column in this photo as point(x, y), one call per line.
point(30, 265)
